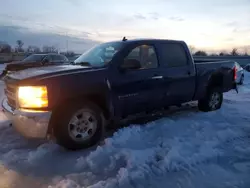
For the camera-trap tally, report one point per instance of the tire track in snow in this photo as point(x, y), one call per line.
point(157, 164)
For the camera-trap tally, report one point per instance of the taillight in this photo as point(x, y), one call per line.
point(235, 73)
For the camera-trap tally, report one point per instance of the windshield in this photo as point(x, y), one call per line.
point(100, 55)
point(34, 58)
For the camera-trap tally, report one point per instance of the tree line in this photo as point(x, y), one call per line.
point(233, 52)
point(6, 48)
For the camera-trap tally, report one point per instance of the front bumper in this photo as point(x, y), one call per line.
point(30, 124)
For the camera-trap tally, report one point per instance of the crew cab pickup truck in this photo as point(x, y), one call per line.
point(73, 103)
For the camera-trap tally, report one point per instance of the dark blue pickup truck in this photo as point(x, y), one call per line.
point(73, 103)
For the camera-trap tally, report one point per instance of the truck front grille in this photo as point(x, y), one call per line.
point(10, 92)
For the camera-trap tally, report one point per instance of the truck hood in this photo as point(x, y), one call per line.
point(47, 71)
point(16, 65)
point(20, 62)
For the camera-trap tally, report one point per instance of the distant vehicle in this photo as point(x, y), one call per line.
point(239, 74)
point(35, 60)
point(247, 67)
point(73, 103)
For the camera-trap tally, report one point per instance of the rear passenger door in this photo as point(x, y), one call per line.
point(178, 72)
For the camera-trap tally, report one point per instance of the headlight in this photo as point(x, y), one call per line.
point(33, 96)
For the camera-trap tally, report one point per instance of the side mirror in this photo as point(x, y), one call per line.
point(130, 64)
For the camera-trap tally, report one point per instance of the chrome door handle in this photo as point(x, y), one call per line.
point(157, 77)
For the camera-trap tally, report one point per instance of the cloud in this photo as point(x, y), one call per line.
point(140, 17)
point(74, 2)
point(154, 15)
point(151, 15)
point(229, 39)
point(232, 24)
point(178, 19)
point(11, 34)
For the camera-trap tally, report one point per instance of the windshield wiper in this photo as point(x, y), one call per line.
point(84, 63)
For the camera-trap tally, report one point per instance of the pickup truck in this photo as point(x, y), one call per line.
point(73, 104)
point(35, 60)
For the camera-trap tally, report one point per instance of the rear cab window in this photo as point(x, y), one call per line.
point(172, 55)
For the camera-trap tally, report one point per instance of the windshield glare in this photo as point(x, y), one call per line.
point(34, 58)
point(100, 55)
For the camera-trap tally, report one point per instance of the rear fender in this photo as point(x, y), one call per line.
point(215, 80)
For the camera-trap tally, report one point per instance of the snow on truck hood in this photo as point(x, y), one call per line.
point(33, 72)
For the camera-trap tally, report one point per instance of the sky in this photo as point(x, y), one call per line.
point(211, 24)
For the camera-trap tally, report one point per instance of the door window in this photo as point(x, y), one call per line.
point(141, 57)
point(47, 59)
point(56, 58)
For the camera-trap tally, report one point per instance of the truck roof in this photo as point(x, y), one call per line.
point(148, 40)
point(49, 53)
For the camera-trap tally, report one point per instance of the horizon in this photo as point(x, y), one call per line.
point(210, 26)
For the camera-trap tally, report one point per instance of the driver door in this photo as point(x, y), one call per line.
point(137, 89)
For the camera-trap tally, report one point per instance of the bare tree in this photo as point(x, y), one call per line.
point(200, 53)
point(33, 49)
point(50, 49)
point(37, 49)
point(245, 51)
point(19, 46)
point(192, 49)
point(5, 48)
point(234, 52)
point(70, 53)
point(29, 49)
point(223, 53)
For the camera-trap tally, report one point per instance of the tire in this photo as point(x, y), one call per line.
point(69, 134)
point(206, 104)
point(241, 80)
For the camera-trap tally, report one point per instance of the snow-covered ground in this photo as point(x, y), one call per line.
point(186, 148)
point(2, 66)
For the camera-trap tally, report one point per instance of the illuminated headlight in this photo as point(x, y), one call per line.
point(33, 96)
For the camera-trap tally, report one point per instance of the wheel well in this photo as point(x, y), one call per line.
point(99, 100)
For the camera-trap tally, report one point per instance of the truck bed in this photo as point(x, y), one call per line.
point(206, 69)
point(206, 60)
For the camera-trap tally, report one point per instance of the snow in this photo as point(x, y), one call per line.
point(2, 67)
point(181, 148)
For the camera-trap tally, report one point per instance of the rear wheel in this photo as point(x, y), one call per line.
point(212, 101)
point(78, 126)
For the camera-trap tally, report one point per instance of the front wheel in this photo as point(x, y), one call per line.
point(78, 126)
point(212, 101)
